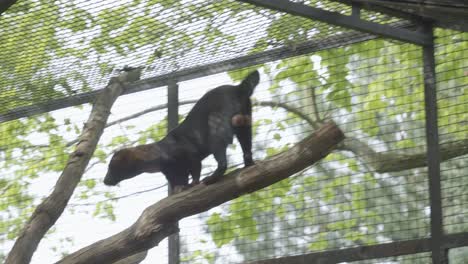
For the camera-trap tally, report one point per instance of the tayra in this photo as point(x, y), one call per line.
point(208, 129)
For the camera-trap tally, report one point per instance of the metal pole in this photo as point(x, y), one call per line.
point(172, 122)
point(439, 254)
point(356, 10)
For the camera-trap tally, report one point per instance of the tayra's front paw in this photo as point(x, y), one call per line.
point(209, 180)
point(249, 163)
point(194, 183)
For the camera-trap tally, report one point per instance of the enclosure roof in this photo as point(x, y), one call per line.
point(446, 13)
point(60, 54)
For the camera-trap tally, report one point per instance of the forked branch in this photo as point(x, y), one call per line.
point(157, 221)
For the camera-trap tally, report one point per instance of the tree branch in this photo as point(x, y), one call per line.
point(138, 114)
point(133, 259)
point(158, 220)
point(146, 111)
point(47, 213)
point(315, 105)
point(289, 108)
point(163, 106)
point(379, 161)
point(383, 162)
point(397, 160)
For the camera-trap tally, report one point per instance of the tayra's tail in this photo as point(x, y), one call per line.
point(250, 82)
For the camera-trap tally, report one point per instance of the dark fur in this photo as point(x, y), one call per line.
point(208, 129)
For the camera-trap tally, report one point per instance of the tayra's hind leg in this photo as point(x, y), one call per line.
point(195, 171)
point(242, 126)
point(177, 176)
point(220, 156)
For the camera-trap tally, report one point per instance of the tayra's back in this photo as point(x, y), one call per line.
point(208, 129)
point(214, 110)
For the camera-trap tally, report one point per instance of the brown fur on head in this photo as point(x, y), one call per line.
point(128, 163)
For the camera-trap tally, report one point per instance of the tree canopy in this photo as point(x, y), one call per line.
point(372, 189)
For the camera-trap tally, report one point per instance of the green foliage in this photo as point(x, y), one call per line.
point(242, 222)
point(154, 132)
point(26, 76)
point(379, 85)
point(374, 89)
point(225, 228)
point(104, 210)
point(239, 75)
point(320, 243)
point(221, 234)
point(197, 256)
point(452, 80)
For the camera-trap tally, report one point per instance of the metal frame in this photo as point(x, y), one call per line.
point(439, 255)
point(439, 243)
point(337, 19)
point(172, 122)
point(5, 4)
point(393, 249)
point(385, 7)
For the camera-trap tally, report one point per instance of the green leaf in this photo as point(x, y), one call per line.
point(90, 183)
point(101, 155)
point(277, 136)
point(221, 233)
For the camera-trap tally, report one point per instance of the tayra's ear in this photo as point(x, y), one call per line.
point(250, 82)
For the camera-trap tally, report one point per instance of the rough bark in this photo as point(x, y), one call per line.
point(158, 220)
point(47, 213)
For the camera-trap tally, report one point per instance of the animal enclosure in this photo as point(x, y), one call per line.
point(394, 191)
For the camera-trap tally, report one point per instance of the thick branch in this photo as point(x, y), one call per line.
point(47, 213)
point(133, 259)
point(157, 221)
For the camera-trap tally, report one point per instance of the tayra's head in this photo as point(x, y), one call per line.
point(128, 163)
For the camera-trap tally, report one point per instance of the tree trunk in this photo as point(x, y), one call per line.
point(47, 213)
point(158, 220)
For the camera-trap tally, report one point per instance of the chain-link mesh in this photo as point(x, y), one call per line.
point(452, 81)
point(351, 198)
point(73, 47)
point(372, 189)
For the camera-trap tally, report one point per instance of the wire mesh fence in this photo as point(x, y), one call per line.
point(344, 201)
point(82, 43)
point(452, 77)
point(372, 190)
